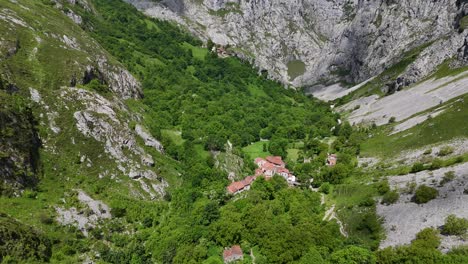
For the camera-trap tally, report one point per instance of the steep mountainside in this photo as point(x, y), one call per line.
point(124, 139)
point(76, 90)
point(312, 42)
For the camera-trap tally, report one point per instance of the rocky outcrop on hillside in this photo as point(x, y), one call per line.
point(85, 218)
point(325, 41)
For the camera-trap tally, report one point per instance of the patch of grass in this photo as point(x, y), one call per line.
point(293, 154)
point(464, 22)
point(198, 52)
point(256, 91)
point(444, 70)
point(353, 193)
point(201, 152)
point(175, 136)
point(256, 150)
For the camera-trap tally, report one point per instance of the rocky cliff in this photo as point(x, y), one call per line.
point(309, 42)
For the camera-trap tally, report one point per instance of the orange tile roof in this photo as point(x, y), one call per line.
point(258, 172)
point(268, 166)
point(275, 160)
point(257, 160)
point(234, 251)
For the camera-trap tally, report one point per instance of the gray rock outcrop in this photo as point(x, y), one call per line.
point(350, 40)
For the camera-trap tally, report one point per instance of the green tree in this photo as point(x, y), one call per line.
point(353, 255)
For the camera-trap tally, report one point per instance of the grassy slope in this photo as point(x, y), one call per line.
point(443, 127)
point(255, 150)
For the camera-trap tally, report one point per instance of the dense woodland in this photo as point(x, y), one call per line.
point(210, 101)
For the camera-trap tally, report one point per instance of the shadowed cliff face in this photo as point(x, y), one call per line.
point(19, 144)
point(338, 40)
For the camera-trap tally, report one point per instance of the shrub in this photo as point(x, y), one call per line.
point(410, 187)
point(427, 152)
point(424, 194)
point(448, 177)
point(417, 167)
point(447, 150)
point(390, 197)
point(367, 202)
point(353, 254)
point(427, 238)
point(436, 164)
point(455, 226)
point(392, 120)
point(29, 194)
point(383, 187)
point(45, 219)
point(325, 188)
point(459, 159)
point(118, 212)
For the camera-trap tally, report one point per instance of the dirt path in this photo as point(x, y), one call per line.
point(330, 214)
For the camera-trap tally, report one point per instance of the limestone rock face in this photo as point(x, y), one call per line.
point(350, 40)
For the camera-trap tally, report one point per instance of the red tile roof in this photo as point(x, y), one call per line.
point(236, 249)
point(258, 172)
point(231, 188)
point(331, 160)
point(268, 166)
point(257, 160)
point(280, 170)
point(239, 185)
point(233, 252)
point(275, 160)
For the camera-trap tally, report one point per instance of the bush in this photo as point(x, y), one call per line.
point(448, 177)
point(390, 197)
point(29, 194)
point(383, 187)
point(46, 219)
point(424, 194)
point(455, 226)
point(118, 212)
point(392, 120)
point(325, 188)
point(447, 150)
point(427, 238)
point(436, 164)
point(417, 167)
point(427, 152)
point(367, 202)
point(410, 187)
point(353, 254)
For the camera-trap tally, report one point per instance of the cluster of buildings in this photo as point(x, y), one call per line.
point(221, 51)
point(273, 165)
point(268, 167)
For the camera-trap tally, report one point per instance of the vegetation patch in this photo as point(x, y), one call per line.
point(424, 194)
point(455, 226)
